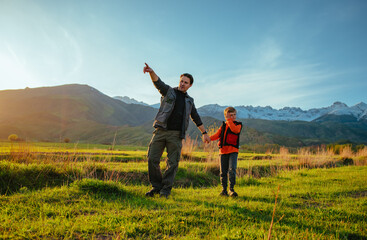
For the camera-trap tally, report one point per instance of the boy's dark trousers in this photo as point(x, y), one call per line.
point(228, 166)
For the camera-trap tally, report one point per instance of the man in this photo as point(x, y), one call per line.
point(170, 125)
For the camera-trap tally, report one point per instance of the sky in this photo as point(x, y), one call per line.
point(284, 53)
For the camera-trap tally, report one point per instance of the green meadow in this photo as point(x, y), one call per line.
point(82, 191)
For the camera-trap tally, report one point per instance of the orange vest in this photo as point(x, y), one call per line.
point(231, 137)
point(228, 137)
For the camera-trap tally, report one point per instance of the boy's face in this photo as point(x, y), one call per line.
point(231, 115)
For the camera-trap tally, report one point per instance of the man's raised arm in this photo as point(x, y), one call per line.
point(152, 74)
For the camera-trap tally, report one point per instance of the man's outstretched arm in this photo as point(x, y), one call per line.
point(152, 74)
point(158, 83)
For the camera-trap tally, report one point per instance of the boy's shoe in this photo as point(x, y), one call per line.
point(224, 193)
point(152, 192)
point(232, 193)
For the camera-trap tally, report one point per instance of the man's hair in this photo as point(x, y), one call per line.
point(189, 76)
point(229, 110)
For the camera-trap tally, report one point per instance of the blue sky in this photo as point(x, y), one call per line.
point(293, 53)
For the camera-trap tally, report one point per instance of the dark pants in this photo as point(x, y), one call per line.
point(228, 166)
point(164, 139)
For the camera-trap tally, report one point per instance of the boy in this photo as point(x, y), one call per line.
point(229, 139)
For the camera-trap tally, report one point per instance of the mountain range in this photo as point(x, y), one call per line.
point(357, 112)
point(84, 114)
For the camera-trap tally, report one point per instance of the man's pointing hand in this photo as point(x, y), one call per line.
point(152, 74)
point(147, 69)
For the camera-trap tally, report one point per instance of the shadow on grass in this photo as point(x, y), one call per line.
point(311, 202)
point(14, 176)
point(237, 215)
point(247, 181)
point(114, 191)
point(185, 178)
point(325, 230)
point(105, 188)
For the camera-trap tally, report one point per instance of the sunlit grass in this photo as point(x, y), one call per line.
point(59, 190)
point(312, 204)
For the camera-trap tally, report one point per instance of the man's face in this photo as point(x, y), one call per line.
point(184, 84)
point(231, 115)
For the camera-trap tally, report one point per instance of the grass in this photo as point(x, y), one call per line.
point(59, 196)
point(317, 203)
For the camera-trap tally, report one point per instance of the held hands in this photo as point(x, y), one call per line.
point(206, 138)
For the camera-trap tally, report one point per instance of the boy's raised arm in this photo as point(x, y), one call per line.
point(234, 128)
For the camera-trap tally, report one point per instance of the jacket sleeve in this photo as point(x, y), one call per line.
point(234, 128)
point(195, 116)
point(161, 86)
point(216, 135)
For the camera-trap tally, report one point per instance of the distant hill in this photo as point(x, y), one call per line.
point(84, 114)
point(293, 133)
point(75, 111)
point(311, 133)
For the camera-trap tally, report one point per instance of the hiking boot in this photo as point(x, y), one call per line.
point(152, 192)
point(163, 195)
point(232, 193)
point(224, 193)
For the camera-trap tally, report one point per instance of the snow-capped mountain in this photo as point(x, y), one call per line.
point(128, 100)
point(358, 111)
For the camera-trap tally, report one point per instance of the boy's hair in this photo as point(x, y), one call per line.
point(189, 76)
point(229, 110)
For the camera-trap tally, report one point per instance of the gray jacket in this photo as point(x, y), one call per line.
point(168, 100)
